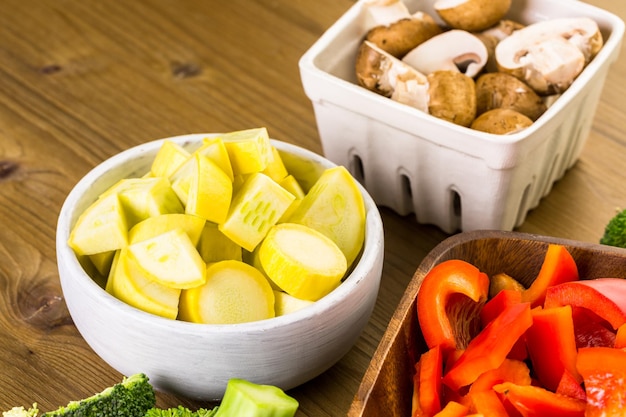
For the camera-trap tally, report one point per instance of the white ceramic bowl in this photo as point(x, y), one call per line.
point(197, 360)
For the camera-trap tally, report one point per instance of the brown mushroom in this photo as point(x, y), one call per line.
point(453, 50)
point(471, 15)
point(403, 35)
point(501, 122)
point(384, 74)
point(452, 97)
point(549, 55)
point(500, 90)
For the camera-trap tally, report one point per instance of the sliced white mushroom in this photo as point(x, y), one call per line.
point(492, 36)
point(403, 35)
point(471, 15)
point(453, 50)
point(383, 12)
point(549, 55)
point(384, 74)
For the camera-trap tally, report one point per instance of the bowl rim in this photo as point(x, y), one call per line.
point(373, 245)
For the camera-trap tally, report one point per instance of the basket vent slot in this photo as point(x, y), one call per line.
point(356, 167)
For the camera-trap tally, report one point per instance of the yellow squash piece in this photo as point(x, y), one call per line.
point(214, 149)
point(210, 191)
point(256, 207)
point(291, 184)
point(214, 246)
point(147, 197)
point(302, 261)
point(285, 303)
point(234, 292)
point(167, 160)
point(102, 261)
point(334, 206)
point(275, 168)
point(249, 150)
point(128, 284)
point(102, 227)
point(154, 226)
point(171, 259)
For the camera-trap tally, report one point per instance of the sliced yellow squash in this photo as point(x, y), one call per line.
point(301, 261)
point(171, 259)
point(234, 292)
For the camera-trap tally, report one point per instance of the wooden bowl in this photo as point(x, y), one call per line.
point(386, 388)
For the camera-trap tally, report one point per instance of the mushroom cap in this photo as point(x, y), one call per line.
point(401, 36)
point(453, 50)
point(501, 90)
point(501, 122)
point(471, 15)
point(379, 71)
point(549, 55)
point(452, 97)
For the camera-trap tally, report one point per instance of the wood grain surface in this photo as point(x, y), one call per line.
point(83, 80)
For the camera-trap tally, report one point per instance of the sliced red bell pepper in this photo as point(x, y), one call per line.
point(489, 348)
point(558, 266)
point(510, 371)
point(498, 303)
point(487, 403)
point(552, 345)
point(606, 297)
point(604, 374)
point(534, 401)
point(591, 330)
point(449, 302)
point(430, 370)
point(453, 409)
point(620, 337)
point(495, 306)
point(571, 386)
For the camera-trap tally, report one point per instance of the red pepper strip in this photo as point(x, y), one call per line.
point(620, 337)
point(570, 386)
point(453, 409)
point(498, 303)
point(533, 401)
point(551, 345)
point(606, 297)
point(510, 371)
point(449, 302)
point(494, 306)
point(431, 368)
point(427, 384)
point(591, 330)
point(604, 374)
point(487, 403)
point(490, 347)
point(558, 266)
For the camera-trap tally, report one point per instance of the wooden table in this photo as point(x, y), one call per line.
point(83, 80)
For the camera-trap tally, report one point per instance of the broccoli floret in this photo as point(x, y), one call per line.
point(21, 412)
point(615, 231)
point(130, 398)
point(180, 411)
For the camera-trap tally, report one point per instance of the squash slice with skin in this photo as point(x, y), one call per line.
point(234, 292)
point(334, 206)
point(171, 259)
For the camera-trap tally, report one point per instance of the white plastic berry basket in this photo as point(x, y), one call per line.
point(451, 176)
